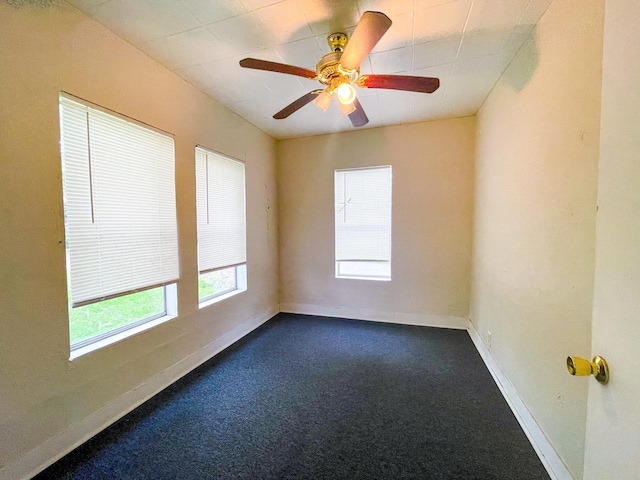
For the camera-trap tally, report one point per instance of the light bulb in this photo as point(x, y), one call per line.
point(323, 100)
point(346, 94)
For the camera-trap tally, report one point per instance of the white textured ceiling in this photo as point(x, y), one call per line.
point(466, 43)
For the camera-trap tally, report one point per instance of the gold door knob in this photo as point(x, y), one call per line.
point(597, 367)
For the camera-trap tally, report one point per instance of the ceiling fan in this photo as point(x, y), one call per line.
point(339, 71)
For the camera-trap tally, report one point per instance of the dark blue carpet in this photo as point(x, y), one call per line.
point(307, 397)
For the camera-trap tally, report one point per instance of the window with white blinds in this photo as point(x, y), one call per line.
point(119, 197)
point(220, 208)
point(363, 223)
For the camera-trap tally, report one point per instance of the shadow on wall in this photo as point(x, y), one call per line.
point(338, 147)
point(34, 3)
point(529, 56)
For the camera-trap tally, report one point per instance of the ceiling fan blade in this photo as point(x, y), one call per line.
point(400, 82)
point(370, 29)
point(277, 67)
point(297, 105)
point(358, 117)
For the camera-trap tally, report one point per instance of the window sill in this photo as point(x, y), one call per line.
point(355, 277)
point(219, 298)
point(118, 337)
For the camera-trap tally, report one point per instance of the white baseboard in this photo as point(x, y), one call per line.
point(55, 448)
point(425, 320)
point(548, 455)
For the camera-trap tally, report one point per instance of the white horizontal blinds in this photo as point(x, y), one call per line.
point(363, 214)
point(120, 204)
point(220, 193)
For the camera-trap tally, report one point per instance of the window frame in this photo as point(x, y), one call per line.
point(169, 289)
point(339, 262)
point(221, 292)
point(240, 269)
point(241, 286)
point(116, 335)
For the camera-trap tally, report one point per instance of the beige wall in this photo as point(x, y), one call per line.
point(43, 394)
point(532, 198)
point(431, 223)
point(534, 221)
point(613, 419)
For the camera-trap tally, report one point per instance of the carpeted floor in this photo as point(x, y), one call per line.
point(308, 397)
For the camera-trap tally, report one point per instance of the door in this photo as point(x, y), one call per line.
point(613, 413)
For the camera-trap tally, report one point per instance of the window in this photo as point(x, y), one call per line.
point(120, 224)
point(363, 223)
point(222, 237)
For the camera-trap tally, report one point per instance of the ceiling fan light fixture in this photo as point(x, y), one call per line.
point(323, 100)
point(346, 94)
point(348, 108)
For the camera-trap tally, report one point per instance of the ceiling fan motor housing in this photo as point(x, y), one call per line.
point(328, 68)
